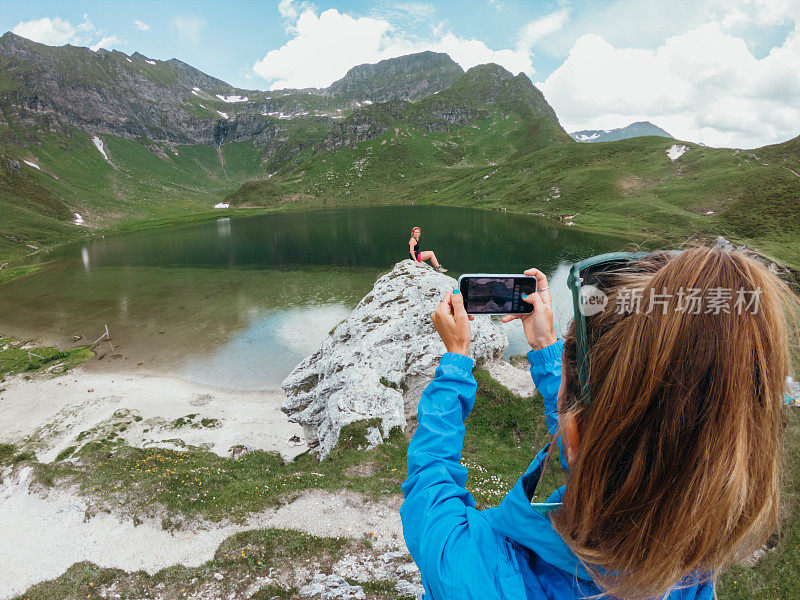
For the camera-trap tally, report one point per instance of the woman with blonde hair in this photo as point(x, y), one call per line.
point(668, 409)
point(419, 255)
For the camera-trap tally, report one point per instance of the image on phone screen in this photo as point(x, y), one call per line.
point(496, 294)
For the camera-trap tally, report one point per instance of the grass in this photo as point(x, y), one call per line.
point(18, 271)
point(498, 155)
point(11, 455)
point(502, 436)
point(198, 483)
point(14, 359)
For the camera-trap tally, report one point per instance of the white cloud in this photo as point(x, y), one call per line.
point(323, 49)
point(107, 42)
point(469, 53)
point(54, 32)
point(534, 31)
point(140, 25)
point(704, 85)
point(325, 46)
point(57, 32)
point(189, 27)
point(288, 9)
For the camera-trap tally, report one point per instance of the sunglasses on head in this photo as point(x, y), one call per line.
point(591, 271)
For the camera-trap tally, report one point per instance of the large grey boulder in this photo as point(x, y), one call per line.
point(376, 363)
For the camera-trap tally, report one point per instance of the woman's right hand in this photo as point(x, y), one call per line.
point(538, 325)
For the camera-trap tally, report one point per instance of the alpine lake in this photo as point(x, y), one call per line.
point(236, 303)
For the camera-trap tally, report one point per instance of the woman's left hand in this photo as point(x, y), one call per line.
point(452, 323)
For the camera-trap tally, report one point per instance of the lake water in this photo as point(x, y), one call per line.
point(237, 303)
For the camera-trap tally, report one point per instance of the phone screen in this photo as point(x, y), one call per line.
point(496, 294)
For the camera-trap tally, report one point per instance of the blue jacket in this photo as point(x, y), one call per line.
point(510, 551)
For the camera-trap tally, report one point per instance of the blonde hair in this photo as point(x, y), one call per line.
point(678, 469)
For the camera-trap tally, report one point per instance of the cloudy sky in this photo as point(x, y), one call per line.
point(720, 72)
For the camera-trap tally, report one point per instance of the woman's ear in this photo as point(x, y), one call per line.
point(570, 435)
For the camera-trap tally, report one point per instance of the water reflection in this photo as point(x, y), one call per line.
point(224, 227)
point(238, 302)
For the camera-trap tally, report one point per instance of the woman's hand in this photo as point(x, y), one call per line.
point(452, 323)
point(538, 325)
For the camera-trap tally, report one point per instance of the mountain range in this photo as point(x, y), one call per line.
point(105, 141)
point(638, 129)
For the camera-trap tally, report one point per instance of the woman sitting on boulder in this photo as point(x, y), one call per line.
point(418, 255)
point(668, 420)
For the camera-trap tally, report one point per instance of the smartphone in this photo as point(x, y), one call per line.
point(493, 294)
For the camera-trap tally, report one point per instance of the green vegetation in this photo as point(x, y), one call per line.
point(15, 359)
point(197, 483)
point(502, 435)
point(239, 562)
point(18, 271)
point(11, 455)
point(490, 140)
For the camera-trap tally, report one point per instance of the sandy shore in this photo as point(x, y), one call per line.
point(50, 413)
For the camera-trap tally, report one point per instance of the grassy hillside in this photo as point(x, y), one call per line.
point(144, 182)
point(630, 186)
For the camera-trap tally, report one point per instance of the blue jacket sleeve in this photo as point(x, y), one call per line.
point(450, 541)
point(546, 374)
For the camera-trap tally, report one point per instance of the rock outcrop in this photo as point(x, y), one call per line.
point(376, 363)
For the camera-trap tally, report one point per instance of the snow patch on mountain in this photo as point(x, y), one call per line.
point(233, 98)
point(676, 151)
point(222, 114)
point(98, 143)
point(32, 164)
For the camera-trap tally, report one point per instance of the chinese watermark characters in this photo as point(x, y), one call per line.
point(694, 301)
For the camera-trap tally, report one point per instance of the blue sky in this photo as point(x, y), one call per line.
point(713, 71)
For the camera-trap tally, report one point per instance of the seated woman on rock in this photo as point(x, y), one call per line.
point(418, 255)
point(672, 447)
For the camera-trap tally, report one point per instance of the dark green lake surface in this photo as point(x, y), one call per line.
point(237, 303)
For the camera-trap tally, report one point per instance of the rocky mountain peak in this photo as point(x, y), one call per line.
point(408, 77)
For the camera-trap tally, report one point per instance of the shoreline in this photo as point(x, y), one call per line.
point(192, 218)
point(50, 413)
point(203, 216)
